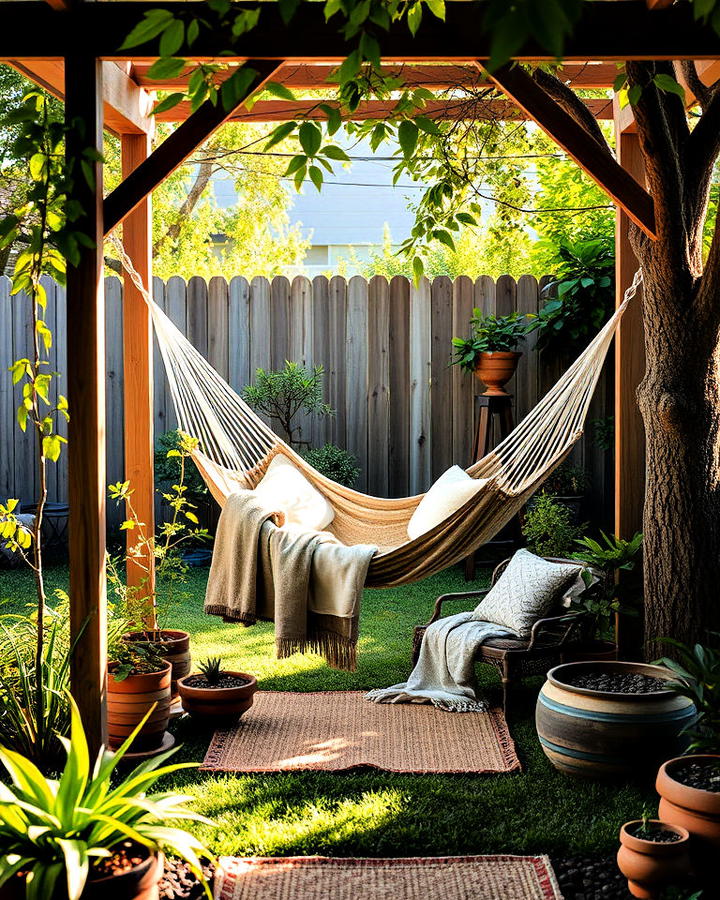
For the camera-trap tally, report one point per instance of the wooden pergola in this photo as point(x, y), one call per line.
point(70, 47)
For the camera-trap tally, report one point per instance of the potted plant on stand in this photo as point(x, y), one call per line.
point(216, 694)
point(90, 835)
point(141, 603)
point(491, 350)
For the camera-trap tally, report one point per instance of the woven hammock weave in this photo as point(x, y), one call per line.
point(237, 446)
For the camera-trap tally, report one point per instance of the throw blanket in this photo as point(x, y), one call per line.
point(308, 583)
point(445, 671)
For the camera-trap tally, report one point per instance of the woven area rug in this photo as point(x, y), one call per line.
point(336, 730)
point(431, 878)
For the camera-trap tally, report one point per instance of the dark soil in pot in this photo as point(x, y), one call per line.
point(705, 776)
point(653, 833)
point(226, 680)
point(616, 682)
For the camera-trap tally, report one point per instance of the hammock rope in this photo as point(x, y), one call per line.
point(236, 447)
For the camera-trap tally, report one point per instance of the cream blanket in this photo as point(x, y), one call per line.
point(308, 583)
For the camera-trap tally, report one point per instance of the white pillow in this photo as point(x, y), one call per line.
point(452, 490)
point(284, 487)
point(526, 591)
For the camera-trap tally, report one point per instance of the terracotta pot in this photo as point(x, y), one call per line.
point(176, 649)
point(495, 369)
point(598, 734)
point(592, 651)
point(692, 808)
point(218, 704)
point(130, 699)
point(650, 865)
point(139, 883)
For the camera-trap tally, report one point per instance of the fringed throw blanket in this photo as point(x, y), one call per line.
point(445, 671)
point(308, 583)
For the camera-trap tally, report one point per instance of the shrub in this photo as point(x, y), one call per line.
point(548, 527)
point(567, 481)
point(335, 463)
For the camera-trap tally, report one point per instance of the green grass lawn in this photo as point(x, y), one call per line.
point(368, 813)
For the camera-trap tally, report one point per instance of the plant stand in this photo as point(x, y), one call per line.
point(168, 741)
point(494, 417)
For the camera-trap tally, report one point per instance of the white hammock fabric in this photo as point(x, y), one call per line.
point(237, 446)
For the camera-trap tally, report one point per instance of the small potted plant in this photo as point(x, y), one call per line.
point(653, 854)
point(689, 786)
point(90, 835)
point(138, 690)
point(142, 603)
point(567, 485)
point(215, 694)
point(491, 350)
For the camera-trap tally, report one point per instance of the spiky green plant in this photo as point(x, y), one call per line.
point(211, 669)
point(55, 830)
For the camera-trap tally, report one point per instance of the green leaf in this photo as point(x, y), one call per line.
point(172, 38)
point(310, 136)
point(279, 90)
point(407, 137)
point(414, 17)
point(437, 8)
point(418, 269)
point(169, 102)
point(150, 27)
point(280, 133)
point(167, 68)
point(634, 93)
point(333, 152)
point(316, 176)
point(297, 162)
point(288, 9)
point(51, 447)
point(334, 119)
point(668, 84)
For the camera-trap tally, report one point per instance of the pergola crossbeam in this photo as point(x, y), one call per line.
point(174, 150)
point(579, 144)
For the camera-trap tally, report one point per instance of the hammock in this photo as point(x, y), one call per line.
point(236, 447)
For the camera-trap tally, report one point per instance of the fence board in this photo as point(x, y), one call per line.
point(463, 412)
point(115, 452)
point(441, 396)
point(420, 378)
point(378, 386)
point(61, 361)
point(356, 375)
point(385, 348)
point(7, 400)
point(161, 392)
point(399, 373)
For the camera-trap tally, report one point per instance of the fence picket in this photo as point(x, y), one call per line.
point(442, 379)
point(356, 375)
point(301, 343)
point(378, 385)
point(399, 372)
point(337, 296)
point(420, 378)
point(114, 406)
point(322, 425)
point(463, 413)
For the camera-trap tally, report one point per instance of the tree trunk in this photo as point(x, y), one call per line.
point(679, 402)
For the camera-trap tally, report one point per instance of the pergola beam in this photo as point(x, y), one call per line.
point(606, 31)
point(578, 144)
point(455, 110)
point(174, 150)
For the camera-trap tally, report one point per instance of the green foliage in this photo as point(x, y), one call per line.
point(137, 658)
point(606, 597)
point(548, 527)
point(582, 296)
point(489, 334)
point(169, 467)
point(697, 676)
point(335, 463)
point(566, 481)
point(55, 831)
point(211, 668)
point(282, 395)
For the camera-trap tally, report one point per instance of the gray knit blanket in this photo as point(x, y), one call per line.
point(445, 671)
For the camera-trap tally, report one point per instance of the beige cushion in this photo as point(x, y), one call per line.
point(452, 490)
point(285, 488)
point(526, 591)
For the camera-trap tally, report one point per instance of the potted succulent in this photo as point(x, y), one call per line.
point(89, 834)
point(138, 690)
point(216, 694)
point(653, 854)
point(605, 598)
point(491, 350)
point(689, 786)
point(142, 603)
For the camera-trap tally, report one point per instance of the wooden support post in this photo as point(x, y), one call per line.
point(138, 380)
point(86, 398)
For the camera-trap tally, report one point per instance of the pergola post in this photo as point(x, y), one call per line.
point(629, 352)
point(86, 399)
point(138, 378)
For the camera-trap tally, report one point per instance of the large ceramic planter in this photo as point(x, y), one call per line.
point(176, 650)
point(692, 808)
point(599, 734)
point(138, 883)
point(218, 705)
point(649, 865)
point(129, 700)
point(495, 369)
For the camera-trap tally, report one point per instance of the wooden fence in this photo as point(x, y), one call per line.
point(385, 346)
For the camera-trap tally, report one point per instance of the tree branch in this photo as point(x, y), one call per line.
point(202, 179)
point(703, 145)
point(572, 104)
point(689, 72)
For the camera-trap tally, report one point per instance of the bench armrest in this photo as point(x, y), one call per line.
point(459, 596)
point(571, 620)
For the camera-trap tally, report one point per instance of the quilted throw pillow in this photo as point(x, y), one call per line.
point(526, 591)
